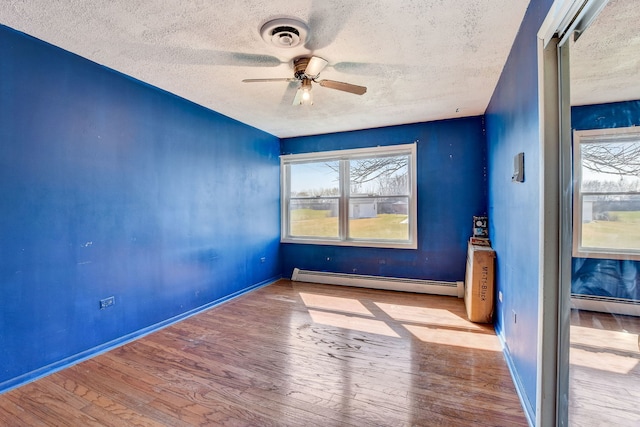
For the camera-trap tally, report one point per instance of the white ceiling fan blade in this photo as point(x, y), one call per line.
point(284, 79)
point(298, 98)
point(289, 93)
point(345, 87)
point(315, 66)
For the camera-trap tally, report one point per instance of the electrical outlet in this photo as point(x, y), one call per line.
point(107, 302)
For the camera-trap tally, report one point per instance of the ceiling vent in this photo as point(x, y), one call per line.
point(285, 33)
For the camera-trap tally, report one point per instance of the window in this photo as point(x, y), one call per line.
point(606, 221)
point(360, 197)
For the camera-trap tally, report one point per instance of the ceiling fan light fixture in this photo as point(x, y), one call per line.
point(306, 96)
point(284, 33)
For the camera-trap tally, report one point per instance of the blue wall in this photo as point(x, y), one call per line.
point(113, 188)
point(513, 127)
point(451, 167)
point(615, 278)
point(606, 116)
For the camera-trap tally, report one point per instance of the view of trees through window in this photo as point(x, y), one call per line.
point(378, 198)
point(314, 199)
point(609, 192)
point(371, 193)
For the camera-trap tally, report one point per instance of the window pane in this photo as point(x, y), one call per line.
point(315, 179)
point(611, 222)
point(384, 218)
point(611, 166)
point(313, 218)
point(379, 176)
point(370, 189)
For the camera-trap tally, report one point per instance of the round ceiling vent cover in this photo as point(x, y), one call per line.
point(285, 33)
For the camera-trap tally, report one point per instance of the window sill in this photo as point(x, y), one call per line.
point(353, 243)
point(606, 253)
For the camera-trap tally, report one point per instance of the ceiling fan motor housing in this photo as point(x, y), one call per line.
point(284, 33)
point(299, 67)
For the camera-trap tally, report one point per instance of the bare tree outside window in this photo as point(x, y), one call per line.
point(380, 176)
point(612, 158)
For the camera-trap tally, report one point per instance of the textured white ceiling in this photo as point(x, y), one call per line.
point(605, 60)
point(421, 60)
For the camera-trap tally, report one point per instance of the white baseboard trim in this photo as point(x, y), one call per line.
point(435, 287)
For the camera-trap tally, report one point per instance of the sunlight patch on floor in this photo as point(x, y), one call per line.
point(344, 305)
point(450, 337)
point(602, 360)
point(426, 315)
point(351, 322)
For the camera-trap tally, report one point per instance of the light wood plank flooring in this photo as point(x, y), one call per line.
point(604, 375)
point(290, 354)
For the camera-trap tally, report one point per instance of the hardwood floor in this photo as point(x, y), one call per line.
point(290, 354)
point(604, 375)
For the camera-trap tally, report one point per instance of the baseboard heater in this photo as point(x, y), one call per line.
point(435, 287)
point(605, 304)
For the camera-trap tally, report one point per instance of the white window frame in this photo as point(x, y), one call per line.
point(581, 137)
point(343, 199)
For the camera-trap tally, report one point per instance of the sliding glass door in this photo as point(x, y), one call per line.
point(602, 241)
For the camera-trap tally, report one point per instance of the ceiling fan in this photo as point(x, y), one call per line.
point(307, 70)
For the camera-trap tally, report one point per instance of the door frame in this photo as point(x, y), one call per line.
point(566, 19)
